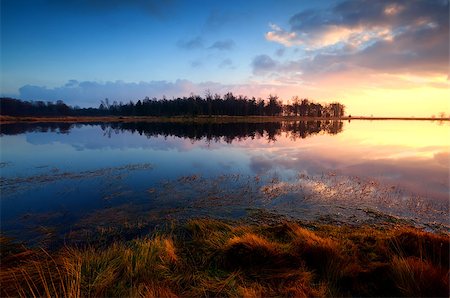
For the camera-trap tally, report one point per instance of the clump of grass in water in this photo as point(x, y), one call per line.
point(213, 258)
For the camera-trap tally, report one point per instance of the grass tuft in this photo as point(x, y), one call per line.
point(206, 257)
point(260, 258)
point(419, 278)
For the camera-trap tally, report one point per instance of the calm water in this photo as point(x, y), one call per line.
point(61, 180)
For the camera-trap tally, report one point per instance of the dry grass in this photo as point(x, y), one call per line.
point(416, 277)
point(212, 258)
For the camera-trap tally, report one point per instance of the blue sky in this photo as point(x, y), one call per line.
point(48, 43)
point(82, 51)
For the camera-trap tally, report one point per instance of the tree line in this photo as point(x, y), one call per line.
point(193, 105)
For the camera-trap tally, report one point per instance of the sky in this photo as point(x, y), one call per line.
point(380, 58)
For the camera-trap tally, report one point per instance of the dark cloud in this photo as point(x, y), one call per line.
point(191, 44)
point(423, 50)
point(263, 63)
point(389, 36)
point(368, 13)
point(223, 45)
point(419, 51)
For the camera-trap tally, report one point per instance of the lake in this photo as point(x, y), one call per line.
point(69, 180)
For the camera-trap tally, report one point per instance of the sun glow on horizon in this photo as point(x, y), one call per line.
point(413, 102)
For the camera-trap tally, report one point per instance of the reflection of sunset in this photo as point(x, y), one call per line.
point(383, 138)
point(412, 154)
point(425, 136)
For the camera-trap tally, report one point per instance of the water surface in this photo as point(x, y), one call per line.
point(62, 178)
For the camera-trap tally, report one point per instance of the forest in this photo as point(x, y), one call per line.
point(194, 105)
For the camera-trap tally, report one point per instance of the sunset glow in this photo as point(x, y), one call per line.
point(381, 58)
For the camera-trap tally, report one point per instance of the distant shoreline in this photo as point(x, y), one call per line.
point(200, 119)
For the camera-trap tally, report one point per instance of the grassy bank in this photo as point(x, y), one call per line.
point(199, 119)
point(212, 258)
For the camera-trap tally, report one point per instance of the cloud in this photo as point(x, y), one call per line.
point(346, 72)
point(280, 52)
point(191, 44)
point(198, 43)
point(226, 63)
point(217, 19)
point(223, 45)
point(263, 63)
point(360, 23)
point(365, 37)
point(89, 93)
point(282, 36)
point(196, 63)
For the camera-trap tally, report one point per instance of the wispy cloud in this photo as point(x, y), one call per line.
point(191, 44)
point(224, 45)
point(198, 43)
point(217, 19)
point(263, 63)
point(226, 63)
point(282, 36)
point(196, 63)
point(280, 52)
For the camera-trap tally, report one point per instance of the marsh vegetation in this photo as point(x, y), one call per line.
point(207, 257)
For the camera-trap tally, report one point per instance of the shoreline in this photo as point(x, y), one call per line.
point(199, 119)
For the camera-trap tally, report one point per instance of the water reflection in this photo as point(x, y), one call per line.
point(210, 131)
point(60, 173)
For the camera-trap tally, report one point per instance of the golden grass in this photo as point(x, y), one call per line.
point(206, 257)
point(416, 277)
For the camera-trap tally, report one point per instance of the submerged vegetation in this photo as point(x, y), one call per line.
point(206, 257)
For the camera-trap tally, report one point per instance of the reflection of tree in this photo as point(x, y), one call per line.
point(227, 132)
point(21, 127)
point(303, 129)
